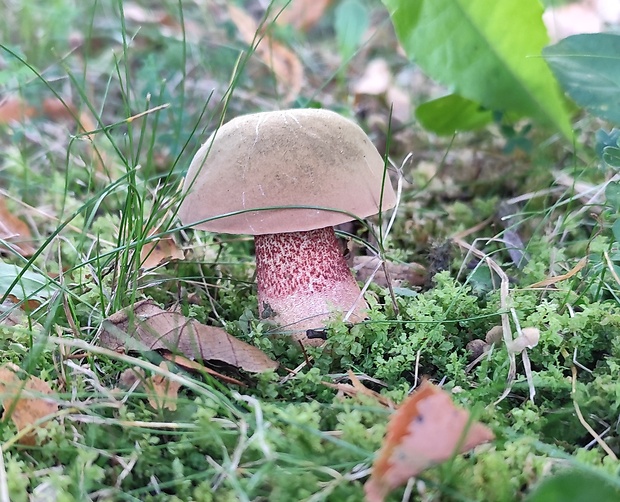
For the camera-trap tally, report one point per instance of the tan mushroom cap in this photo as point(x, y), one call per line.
point(302, 157)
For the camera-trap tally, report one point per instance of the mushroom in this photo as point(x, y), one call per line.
point(288, 177)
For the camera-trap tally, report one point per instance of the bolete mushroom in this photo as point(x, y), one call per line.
point(288, 177)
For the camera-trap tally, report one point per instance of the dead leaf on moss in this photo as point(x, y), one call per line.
point(162, 393)
point(284, 64)
point(427, 429)
point(13, 109)
point(167, 25)
point(188, 364)
point(24, 401)
point(357, 388)
point(145, 326)
point(377, 82)
point(558, 278)
point(413, 273)
point(16, 109)
point(303, 15)
point(159, 251)
point(14, 231)
point(165, 391)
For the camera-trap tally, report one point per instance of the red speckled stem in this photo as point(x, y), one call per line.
point(302, 277)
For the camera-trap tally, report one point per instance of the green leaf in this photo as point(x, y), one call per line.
point(615, 229)
point(588, 67)
point(573, 486)
point(611, 156)
point(487, 51)
point(452, 113)
point(31, 286)
point(351, 23)
point(612, 194)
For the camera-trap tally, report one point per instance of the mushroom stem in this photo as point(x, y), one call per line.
point(302, 278)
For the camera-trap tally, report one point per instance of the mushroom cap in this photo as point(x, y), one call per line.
point(301, 157)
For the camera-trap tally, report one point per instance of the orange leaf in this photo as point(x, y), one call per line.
point(282, 61)
point(160, 251)
point(15, 231)
point(165, 391)
point(552, 280)
point(426, 430)
point(13, 109)
point(357, 388)
point(24, 401)
point(303, 14)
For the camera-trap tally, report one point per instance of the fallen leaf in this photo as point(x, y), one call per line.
point(130, 376)
point(13, 109)
point(14, 231)
point(166, 24)
point(357, 388)
point(303, 15)
point(11, 315)
point(572, 19)
point(137, 14)
point(162, 392)
point(413, 273)
point(188, 364)
point(375, 80)
point(165, 391)
point(31, 288)
point(427, 429)
point(24, 401)
point(145, 326)
point(284, 64)
point(563, 277)
point(159, 251)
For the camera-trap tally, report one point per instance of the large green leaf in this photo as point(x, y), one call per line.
point(488, 51)
point(449, 114)
point(30, 286)
point(588, 67)
point(575, 486)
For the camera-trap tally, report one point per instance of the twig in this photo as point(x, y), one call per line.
point(585, 424)
point(4, 485)
point(504, 296)
point(610, 265)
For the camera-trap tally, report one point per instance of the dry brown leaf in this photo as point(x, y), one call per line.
point(13, 109)
point(24, 401)
point(283, 62)
point(14, 231)
point(375, 80)
point(412, 273)
point(572, 19)
point(553, 280)
point(138, 14)
point(160, 251)
point(357, 388)
point(188, 364)
point(130, 376)
point(427, 429)
point(145, 326)
point(165, 392)
point(10, 315)
point(303, 15)
point(167, 25)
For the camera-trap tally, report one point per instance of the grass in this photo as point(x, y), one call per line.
point(147, 94)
